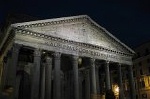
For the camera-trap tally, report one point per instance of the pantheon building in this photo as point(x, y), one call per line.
point(63, 58)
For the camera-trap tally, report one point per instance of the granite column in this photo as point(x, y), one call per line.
point(57, 76)
point(48, 78)
point(75, 75)
point(107, 74)
point(35, 84)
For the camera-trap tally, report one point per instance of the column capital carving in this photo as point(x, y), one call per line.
point(107, 62)
point(74, 57)
point(48, 59)
point(16, 47)
point(37, 52)
point(57, 55)
point(92, 61)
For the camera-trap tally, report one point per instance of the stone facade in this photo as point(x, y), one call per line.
point(141, 69)
point(59, 44)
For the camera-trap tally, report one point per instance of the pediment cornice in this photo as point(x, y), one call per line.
point(47, 22)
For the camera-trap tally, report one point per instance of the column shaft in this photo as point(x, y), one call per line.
point(80, 87)
point(121, 93)
point(43, 82)
point(1, 69)
point(18, 80)
point(93, 79)
point(48, 78)
point(7, 69)
point(12, 65)
point(97, 80)
point(57, 76)
point(87, 85)
point(76, 79)
point(131, 82)
point(36, 75)
point(4, 70)
point(108, 86)
point(12, 68)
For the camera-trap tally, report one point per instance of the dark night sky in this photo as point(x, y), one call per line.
point(128, 20)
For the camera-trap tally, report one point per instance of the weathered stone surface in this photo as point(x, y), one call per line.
point(78, 28)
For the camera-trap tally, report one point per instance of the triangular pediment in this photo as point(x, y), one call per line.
point(77, 28)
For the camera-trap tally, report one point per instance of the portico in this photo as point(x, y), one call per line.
point(55, 47)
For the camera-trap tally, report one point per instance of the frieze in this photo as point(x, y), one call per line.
point(74, 48)
point(93, 53)
point(81, 49)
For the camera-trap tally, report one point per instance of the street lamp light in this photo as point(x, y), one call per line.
point(116, 91)
point(80, 61)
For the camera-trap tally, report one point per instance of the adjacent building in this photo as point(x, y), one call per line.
point(141, 70)
point(63, 58)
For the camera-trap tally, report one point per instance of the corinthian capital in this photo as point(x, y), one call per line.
point(16, 47)
point(48, 59)
point(37, 52)
point(92, 60)
point(57, 55)
point(75, 58)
